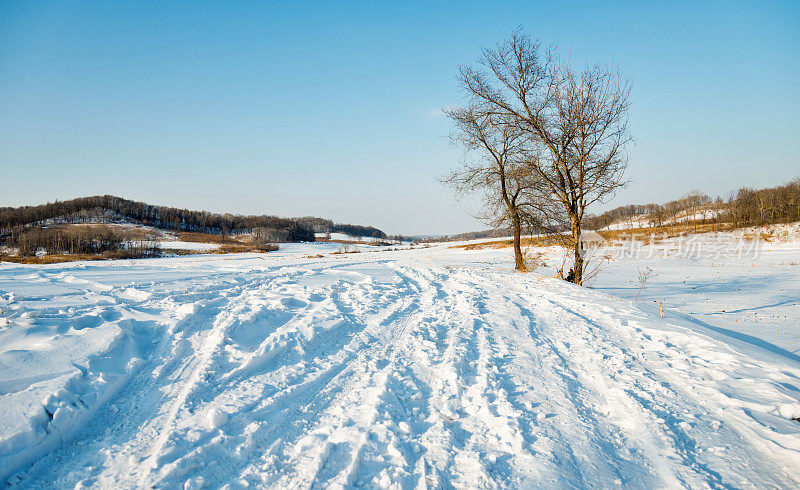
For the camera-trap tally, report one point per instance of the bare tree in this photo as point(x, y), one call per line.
point(574, 124)
point(492, 164)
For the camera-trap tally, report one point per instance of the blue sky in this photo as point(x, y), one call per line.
point(333, 108)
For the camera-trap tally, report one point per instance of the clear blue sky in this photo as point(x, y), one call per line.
point(333, 109)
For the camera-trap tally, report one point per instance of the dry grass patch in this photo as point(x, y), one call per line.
point(641, 234)
point(49, 259)
point(61, 258)
point(538, 241)
point(238, 248)
point(666, 231)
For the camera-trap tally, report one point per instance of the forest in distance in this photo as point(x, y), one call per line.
point(112, 209)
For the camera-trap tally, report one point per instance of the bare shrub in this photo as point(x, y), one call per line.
point(532, 260)
point(262, 240)
point(643, 276)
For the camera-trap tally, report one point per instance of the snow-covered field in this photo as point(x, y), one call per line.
point(410, 368)
point(755, 298)
point(179, 245)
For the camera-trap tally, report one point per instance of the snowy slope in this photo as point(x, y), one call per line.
point(755, 298)
point(432, 367)
point(646, 221)
point(629, 224)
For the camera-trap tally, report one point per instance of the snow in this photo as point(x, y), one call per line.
point(179, 245)
point(645, 221)
point(740, 290)
point(689, 216)
point(428, 367)
point(629, 224)
point(337, 236)
point(345, 237)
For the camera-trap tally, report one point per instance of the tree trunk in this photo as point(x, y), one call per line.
point(519, 260)
point(578, 265)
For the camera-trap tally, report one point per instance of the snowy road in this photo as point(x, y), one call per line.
point(377, 369)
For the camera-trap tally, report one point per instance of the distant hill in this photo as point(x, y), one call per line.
point(744, 207)
point(113, 209)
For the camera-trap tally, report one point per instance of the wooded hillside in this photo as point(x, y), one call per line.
point(112, 209)
point(744, 207)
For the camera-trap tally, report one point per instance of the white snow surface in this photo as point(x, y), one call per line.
point(338, 236)
point(179, 245)
point(349, 238)
point(432, 367)
point(629, 224)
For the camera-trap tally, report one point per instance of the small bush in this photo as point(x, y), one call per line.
point(347, 249)
point(263, 240)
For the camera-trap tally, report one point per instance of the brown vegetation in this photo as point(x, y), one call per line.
point(534, 241)
point(665, 231)
point(243, 248)
point(346, 249)
point(766, 206)
point(48, 259)
point(641, 234)
point(59, 258)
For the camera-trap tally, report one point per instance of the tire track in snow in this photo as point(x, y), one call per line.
point(324, 376)
point(463, 414)
point(207, 346)
point(627, 394)
point(280, 409)
point(140, 400)
point(370, 376)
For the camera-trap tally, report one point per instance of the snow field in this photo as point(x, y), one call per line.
point(428, 368)
point(753, 299)
point(179, 245)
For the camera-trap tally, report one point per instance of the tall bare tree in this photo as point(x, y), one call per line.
point(574, 124)
point(492, 164)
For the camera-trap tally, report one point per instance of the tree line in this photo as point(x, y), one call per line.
point(111, 209)
point(743, 207)
point(475, 235)
point(781, 204)
point(86, 240)
point(694, 206)
point(322, 225)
